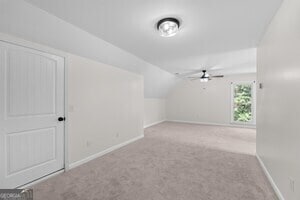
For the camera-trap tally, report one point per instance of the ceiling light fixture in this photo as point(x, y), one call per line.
point(203, 80)
point(205, 77)
point(168, 27)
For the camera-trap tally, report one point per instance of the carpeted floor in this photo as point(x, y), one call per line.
point(174, 161)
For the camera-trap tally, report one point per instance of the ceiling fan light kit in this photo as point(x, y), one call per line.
point(204, 78)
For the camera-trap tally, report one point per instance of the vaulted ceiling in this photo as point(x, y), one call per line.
point(215, 34)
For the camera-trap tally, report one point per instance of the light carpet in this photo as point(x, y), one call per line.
point(175, 161)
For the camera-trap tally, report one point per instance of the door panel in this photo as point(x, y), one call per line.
point(31, 100)
point(23, 149)
point(30, 87)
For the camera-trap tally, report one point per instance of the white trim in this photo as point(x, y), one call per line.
point(147, 126)
point(41, 179)
point(33, 45)
point(268, 175)
point(66, 138)
point(214, 124)
point(106, 151)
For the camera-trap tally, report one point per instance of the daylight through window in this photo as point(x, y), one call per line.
point(243, 103)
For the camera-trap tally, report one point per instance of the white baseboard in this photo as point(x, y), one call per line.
point(97, 155)
point(212, 124)
point(274, 186)
point(147, 126)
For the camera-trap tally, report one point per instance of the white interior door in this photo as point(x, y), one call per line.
point(31, 101)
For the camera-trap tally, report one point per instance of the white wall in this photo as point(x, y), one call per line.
point(26, 21)
point(278, 111)
point(154, 111)
point(105, 107)
point(193, 101)
point(105, 103)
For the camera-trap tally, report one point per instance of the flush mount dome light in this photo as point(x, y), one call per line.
point(168, 27)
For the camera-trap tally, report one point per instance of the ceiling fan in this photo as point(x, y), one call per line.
point(205, 77)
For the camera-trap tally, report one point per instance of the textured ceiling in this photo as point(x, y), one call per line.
point(214, 34)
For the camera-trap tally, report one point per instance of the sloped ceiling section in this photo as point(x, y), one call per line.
point(26, 21)
point(208, 27)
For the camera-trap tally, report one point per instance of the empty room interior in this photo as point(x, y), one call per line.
point(150, 99)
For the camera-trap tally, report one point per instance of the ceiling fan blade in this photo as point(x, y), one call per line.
point(190, 73)
point(218, 76)
point(193, 78)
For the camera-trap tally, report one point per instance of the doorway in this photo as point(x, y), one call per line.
point(31, 114)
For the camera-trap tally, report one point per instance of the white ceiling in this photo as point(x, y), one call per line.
point(214, 34)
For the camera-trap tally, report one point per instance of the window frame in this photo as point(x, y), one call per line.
point(253, 102)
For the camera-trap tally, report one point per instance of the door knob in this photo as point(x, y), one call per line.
point(61, 119)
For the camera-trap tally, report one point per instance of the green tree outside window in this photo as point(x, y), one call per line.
point(242, 103)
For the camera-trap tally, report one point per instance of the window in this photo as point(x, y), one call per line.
point(243, 103)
